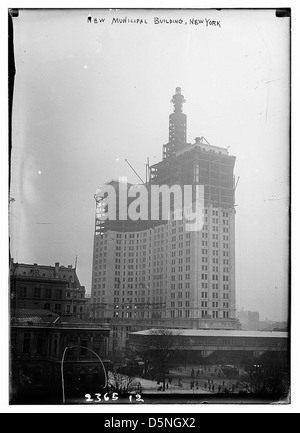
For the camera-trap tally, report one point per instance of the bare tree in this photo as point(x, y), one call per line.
point(164, 350)
point(121, 383)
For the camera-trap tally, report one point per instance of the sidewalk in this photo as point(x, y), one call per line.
point(151, 386)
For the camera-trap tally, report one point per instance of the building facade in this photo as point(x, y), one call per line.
point(249, 320)
point(252, 344)
point(46, 348)
point(54, 288)
point(160, 272)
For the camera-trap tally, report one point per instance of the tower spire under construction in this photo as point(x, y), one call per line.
point(177, 126)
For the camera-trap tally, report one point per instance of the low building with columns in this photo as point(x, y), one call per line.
point(48, 349)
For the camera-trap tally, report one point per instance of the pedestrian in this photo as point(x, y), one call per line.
point(198, 372)
point(213, 388)
point(192, 373)
point(219, 388)
point(197, 385)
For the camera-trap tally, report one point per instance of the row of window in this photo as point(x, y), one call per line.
point(204, 314)
point(52, 348)
point(38, 292)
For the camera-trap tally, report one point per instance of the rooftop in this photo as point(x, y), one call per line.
point(221, 333)
point(203, 144)
point(57, 273)
point(45, 318)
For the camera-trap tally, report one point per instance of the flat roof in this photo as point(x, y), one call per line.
point(220, 333)
point(203, 146)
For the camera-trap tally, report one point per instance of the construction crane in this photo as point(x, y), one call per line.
point(134, 171)
point(236, 183)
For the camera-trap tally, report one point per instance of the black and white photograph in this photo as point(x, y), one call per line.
point(149, 207)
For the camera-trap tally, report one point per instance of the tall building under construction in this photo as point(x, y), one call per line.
point(158, 273)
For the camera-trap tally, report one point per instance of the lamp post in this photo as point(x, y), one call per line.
point(62, 367)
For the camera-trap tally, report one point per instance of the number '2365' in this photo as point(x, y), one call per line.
point(114, 397)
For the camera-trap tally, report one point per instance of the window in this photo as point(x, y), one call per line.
point(48, 293)
point(40, 343)
point(58, 294)
point(37, 292)
point(26, 342)
point(23, 292)
point(47, 306)
point(83, 350)
point(58, 307)
point(55, 346)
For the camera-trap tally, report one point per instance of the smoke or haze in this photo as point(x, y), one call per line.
point(89, 95)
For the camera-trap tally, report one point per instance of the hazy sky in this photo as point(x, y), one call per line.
point(87, 96)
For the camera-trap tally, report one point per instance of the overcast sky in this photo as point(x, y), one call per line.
point(87, 96)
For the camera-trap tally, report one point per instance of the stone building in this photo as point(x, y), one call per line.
point(46, 348)
point(54, 288)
